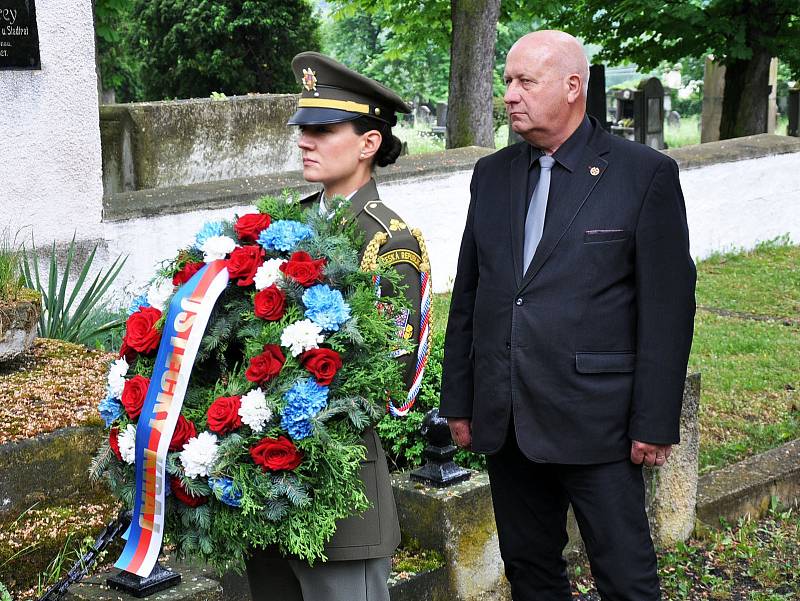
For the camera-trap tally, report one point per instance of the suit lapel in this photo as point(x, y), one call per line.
point(519, 190)
point(570, 198)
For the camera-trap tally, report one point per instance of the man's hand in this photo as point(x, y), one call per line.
point(461, 431)
point(650, 454)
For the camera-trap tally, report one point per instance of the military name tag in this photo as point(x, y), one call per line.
point(19, 35)
point(401, 255)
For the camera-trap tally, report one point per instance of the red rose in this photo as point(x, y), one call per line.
point(133, 395)
point(113, 442)
point(303, 269)
point(248, 227)
point(275, 454)
point(270, 303)
point(223, 415)
point(127, 352)
point(244, 262)
point(267, 365)
point(180, 493)
point(184, 430)
point(185, 274)
point(323, 363)
point(140, 333)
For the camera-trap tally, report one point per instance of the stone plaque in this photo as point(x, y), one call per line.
point(19, 36)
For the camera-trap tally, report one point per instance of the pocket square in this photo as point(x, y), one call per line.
point(604, 235)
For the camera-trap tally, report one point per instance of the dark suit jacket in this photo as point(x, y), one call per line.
point(376, 533)
point(589, 348)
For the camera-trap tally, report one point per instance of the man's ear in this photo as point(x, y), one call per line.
point(574, 87)
point(371, 142)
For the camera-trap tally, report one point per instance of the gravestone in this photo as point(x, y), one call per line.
point(596, 98)
point(794, 113)
point(674, 119)
point(19, 35)
point(441, 114)
point(648, 113)
point(714, 90)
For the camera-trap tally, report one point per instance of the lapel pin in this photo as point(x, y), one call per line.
point(594, 170)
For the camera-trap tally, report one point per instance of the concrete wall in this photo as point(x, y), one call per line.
point(161, 144)
point(50, 169)
point(738, 192)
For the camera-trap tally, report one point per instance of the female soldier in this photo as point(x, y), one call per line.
point(345, 122)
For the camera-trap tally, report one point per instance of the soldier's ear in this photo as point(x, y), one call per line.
point(370, 143)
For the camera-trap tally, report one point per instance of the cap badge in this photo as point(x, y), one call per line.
point(309, 80)
point(594, 171)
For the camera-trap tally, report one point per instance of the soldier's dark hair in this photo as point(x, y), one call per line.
point(390, 146)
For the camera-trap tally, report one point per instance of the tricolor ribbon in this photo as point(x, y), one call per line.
point(184, 327)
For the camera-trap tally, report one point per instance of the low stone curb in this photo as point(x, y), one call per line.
point(748, 487)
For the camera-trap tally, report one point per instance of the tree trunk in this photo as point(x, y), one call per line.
point(744, 101)
point(469, 110)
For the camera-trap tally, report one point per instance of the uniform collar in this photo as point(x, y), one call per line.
point(569, 153)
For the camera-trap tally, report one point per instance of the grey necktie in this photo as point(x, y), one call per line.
point(534, 222)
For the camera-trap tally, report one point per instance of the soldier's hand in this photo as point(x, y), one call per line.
point(461, 431)
point(649, 454)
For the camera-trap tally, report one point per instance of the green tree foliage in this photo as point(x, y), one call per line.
point(742, 34)
point(375, 44)
point(190, 48)
point(117, 65)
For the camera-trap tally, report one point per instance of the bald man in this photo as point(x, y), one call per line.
point(570, 329)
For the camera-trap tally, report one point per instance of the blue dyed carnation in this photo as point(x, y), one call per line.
point(226, 491)
point(326, 307)
point(304, 400)
point(110, 409)
point(209, 230)
point(284, 235)
point(139, 301)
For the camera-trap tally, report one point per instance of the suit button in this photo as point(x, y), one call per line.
point(508, 345)
point(519, 302)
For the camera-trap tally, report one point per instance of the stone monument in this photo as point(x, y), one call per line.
point(50, 156)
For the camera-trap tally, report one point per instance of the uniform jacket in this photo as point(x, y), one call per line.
point(589, 347)
point(376, 532)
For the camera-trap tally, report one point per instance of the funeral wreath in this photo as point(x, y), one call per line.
point(257, 407)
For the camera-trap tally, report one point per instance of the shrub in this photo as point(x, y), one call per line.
point(190, 49)
point(401, 436)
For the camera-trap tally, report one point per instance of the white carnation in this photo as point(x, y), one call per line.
point(301, 336)
point(116, 377)
point(199, 454)
point(254, 411)
point(127, 444)
point(159, 293)
point(268, 274)
point(217, 247)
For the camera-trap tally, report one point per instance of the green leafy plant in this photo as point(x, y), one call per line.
point(10, 274)
point(4, 595)
point(59, 319)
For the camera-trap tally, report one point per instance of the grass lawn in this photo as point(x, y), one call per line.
point(752, 561)
point(750, 369)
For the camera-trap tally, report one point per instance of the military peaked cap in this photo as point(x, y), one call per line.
point(332, 93)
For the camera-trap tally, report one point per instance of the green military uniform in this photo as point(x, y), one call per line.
point(359, 552)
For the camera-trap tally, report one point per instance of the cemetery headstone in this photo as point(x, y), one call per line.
point(673, 119)
point(794, 113)
point(596, 98)
point(648, 115)
point(441, 114)
point(19, 35)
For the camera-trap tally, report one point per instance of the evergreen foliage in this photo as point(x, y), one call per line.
point(191, 49)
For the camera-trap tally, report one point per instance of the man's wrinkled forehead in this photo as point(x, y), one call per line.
point(530, 59)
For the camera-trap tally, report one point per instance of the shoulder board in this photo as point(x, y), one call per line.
point(389, 221)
